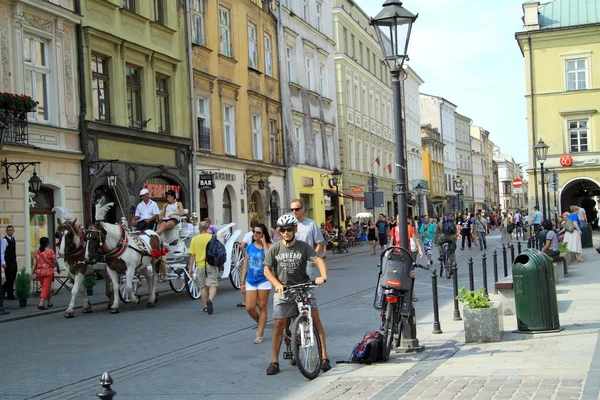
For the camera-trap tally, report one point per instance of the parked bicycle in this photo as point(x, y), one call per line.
point(302, 340)
point(447, 259)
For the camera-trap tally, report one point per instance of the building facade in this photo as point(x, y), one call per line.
point(38, 59)
point(236, 111)
point(479, 170)
point(486, 149)
point(439, 112)
point(135, 80)
point(310, 106)
point(365, 107)
point(562, 97)
point(508, 170)
point(433, 169)
point(464, 163)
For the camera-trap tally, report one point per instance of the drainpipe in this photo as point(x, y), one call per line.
point(535, 184)
point(192, 108)
point(85, 177)
point(282, 85)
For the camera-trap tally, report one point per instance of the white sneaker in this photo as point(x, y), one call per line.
point(430, 262)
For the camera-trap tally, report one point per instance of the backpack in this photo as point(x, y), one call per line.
point(216, 255)
point(510, 228)
point(368, 350)
point(448, 227)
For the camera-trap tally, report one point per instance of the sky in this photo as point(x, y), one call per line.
point(466, 52)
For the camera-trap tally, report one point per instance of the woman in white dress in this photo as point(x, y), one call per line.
point(573, 233)
point(171, 213)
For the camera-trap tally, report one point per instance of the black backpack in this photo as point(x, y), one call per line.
point(368, 350)
point(216, 255)
point(448, 227)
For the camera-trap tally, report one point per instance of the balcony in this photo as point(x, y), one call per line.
point(16, 126)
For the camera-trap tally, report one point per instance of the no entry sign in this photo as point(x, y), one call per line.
point(517, 185)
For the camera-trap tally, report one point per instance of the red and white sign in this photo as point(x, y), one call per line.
point(517, 185)
point(566, 160)
point(356, 190)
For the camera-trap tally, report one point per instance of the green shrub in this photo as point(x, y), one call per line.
point(23, 285)
point(563, 247)
point(477, 299)
point(89, 281)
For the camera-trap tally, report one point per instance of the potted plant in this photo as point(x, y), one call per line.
point(23, 287)
point(482, 318)
point(89, 281)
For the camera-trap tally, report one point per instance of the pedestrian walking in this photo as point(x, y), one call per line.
point(9, 262)
point(372, 236)
point(573, 233)
point(207, 275)
point(383, 231)
point(503, 228)
point(427, 232)
point(473, 229)
point(254, 284)
point(44, 262)
point(482, 230)
point(415, 245)
point(246, 241)
point(465, 231)
point(308, 231)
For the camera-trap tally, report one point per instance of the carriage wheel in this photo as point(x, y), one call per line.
point(123, 291)
point(237, 264)
point(192, 286)
point(178, 284)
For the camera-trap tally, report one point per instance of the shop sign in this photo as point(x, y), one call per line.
point(157, 191)
point(224, 176)
point(307, 181)
point(5, 221)
point(206, 181)
point(566, 160)
point(357, 190)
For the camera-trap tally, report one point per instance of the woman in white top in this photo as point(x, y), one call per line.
point(171, 213)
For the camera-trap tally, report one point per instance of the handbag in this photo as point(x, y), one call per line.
point(48, 271)
point(569, 226)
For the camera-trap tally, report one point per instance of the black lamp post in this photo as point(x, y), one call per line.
point(458, 188)
point(541, 151)
point(35, 183)
point(393, 26)
point(419, 191)
point(335, 180)
point(111, 178)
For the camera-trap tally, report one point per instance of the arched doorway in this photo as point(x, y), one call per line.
point(275, 208)
point(109, 197)
point(256, 207)
point(41, 217)
point(227, 207)
point(204, 210)
point(582, 192)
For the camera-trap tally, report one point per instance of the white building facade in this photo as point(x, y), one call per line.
point(478, 157)
point(412, 123)
point(508, 170)
point(464, 166)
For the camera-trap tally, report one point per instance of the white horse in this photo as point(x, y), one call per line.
point(125, 253)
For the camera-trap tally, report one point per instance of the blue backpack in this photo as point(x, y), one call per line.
point(216, 255)
point(368, 350)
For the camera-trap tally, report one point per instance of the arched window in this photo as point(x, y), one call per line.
point(41, 217)
point(203, 205)
point(227, 219)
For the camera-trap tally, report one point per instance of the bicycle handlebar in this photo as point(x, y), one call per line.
point(307, 285)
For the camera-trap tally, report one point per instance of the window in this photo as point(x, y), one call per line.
point(305, 10)
point(351, 157)
point(330, 151)
point(352, 44)
point(100, 91)
point(273, 140)
point(319, 16)
point(129, 5)
point(252, 46)
point(578, 136)
point(35, 53)
point(359, 155)
point(159, 12)
point(229, 125)
point(319, 146)
point(203, 124)
point(323, 78)
point(197, 9)
point(349, 92)
point(365, 107)
point(289, 62)
point(257, 136)
point(225, 32)
point(576, 74)
point(134, 96)
point(268, 55)
point(162, 103)
point(360, 53)
point(356, 96)
point(301, 144)
point(345, 39)
point(310, 80)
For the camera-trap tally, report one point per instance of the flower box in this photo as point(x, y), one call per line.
point(483, 325)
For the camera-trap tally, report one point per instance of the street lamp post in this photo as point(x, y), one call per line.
point(541, 151)
point(393, 26)
point(458, 186)
point(337, 174)
point(419, 191)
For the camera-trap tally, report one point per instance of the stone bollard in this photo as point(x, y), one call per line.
point(484, 270)
point(106, 392)
point(471, 281)
point(455, 288)
point(495, 262)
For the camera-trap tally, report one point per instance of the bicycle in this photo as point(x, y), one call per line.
point(396, 281)
point(447, 259)
point(302, 341)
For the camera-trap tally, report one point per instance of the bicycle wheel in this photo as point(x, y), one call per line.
point(308, 357)
point(389, 328)
point(399, 325)
point(451, 259)
point(288, 340)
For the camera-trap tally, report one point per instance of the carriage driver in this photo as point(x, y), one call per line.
point(146, 212)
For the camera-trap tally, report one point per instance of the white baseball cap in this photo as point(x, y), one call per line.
point(144, 191)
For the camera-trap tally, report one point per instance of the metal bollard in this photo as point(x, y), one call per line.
point(471, 282)
point(455, 287)
point(106, 392)
point(505, 261)
point(519, 247)
point(512, 253)
point(484, 270)
point(495, 261)
point(437, 329)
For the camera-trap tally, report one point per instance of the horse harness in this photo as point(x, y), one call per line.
point(137, 245)
point(79, 251)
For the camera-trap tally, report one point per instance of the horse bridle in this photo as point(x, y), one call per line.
point(79, 251)
point(114, 253)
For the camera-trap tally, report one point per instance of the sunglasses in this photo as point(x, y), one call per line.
point(286, 229)
point(258, 232)
point(296, 209)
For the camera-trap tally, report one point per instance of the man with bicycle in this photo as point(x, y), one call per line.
point(446, 233)
point(286, 265)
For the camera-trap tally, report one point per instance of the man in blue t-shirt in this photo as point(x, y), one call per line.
point(537, 219)
point(383, 229)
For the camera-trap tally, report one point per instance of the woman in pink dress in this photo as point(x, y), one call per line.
point(44, 262)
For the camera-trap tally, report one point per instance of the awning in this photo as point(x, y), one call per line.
point(354, 197)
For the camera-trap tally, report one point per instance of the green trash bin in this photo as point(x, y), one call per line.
point(535, 292)
point(542, 239)
point(586, 235)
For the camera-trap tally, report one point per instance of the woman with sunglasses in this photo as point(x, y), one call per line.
point(254, 284)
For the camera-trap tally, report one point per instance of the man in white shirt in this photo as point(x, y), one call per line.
point(308, 231)
point(146, 212)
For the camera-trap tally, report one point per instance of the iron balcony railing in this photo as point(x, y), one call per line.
point(204, 138)
point(15, 123)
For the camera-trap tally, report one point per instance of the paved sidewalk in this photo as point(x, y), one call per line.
point(564, 365)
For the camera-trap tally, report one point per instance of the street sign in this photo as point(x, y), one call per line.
point(374, 199)
point(517, 186)
point(566, 160)
point(206, 181)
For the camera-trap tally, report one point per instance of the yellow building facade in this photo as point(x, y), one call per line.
point(563, 99)
point(433, 168)
point(136, 90)
point(236, 109)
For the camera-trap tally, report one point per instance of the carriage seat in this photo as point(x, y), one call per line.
point(170, 237)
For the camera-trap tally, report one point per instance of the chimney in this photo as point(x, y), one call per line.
point(531, 16)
